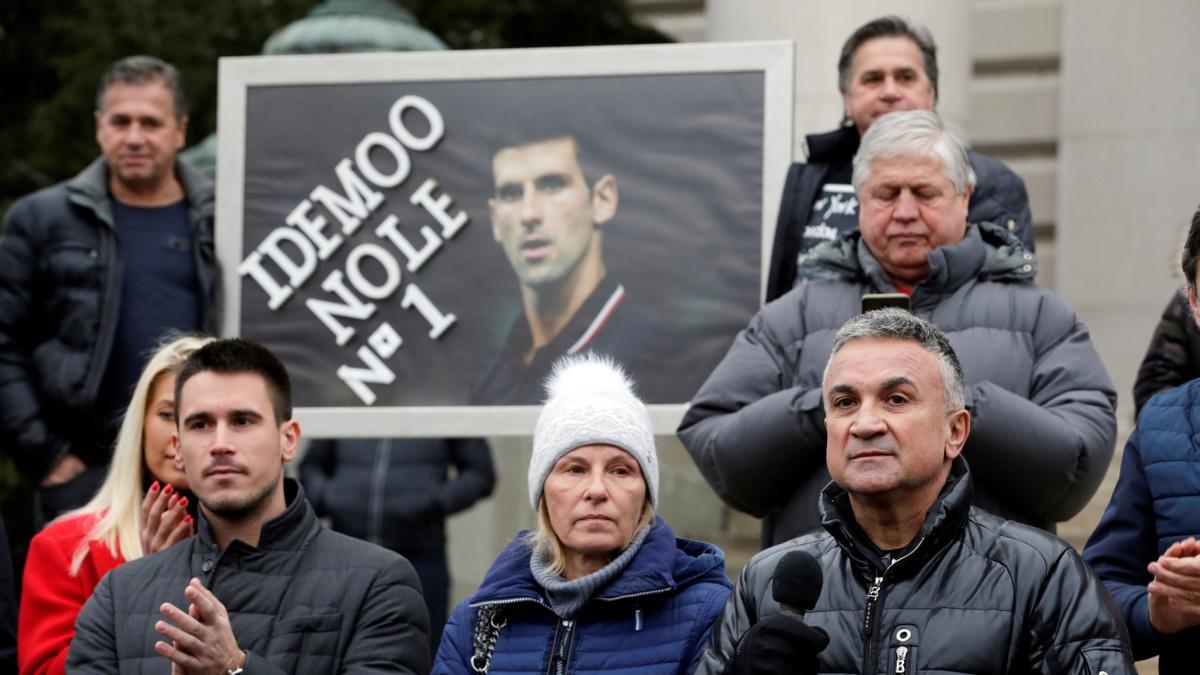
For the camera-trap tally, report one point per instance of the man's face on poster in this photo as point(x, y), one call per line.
point(544, 214)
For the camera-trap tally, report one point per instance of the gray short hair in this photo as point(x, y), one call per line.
point(914, 133)
point(889, 26)
point(139, 70)
point(898, 324)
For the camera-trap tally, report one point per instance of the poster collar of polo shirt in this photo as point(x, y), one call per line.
point(506, 380)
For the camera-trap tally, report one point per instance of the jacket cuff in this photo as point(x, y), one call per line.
point(257, 665)
point(1145, 637)
point(36, 463)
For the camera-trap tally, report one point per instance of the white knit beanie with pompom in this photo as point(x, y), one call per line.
point(590, 401)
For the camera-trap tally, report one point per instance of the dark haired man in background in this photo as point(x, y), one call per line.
point(887, 65)
point(93, 271)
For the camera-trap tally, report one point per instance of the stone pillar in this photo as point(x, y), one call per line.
point(819, 27)
point(1128, 144)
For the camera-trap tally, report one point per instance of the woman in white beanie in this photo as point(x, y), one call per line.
point(602, 584)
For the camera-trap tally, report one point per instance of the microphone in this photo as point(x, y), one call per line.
point(783, 643)
point(796, 584)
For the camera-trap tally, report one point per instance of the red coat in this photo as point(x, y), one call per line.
point(51, 597)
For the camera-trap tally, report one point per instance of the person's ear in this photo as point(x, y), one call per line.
point(959, 423)
point(1192, 304)
point(604, 199)
point(289, 439)
point(495, 223)
point(177, 459)
point(181, 139)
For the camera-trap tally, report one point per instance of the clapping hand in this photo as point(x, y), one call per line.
point(202, 640)
point(165, 520)
point(1174, 594)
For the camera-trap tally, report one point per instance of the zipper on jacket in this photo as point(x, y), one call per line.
point(869, 623)
point(378, 483)
point(901, 660)
point(110, 308)
point(562, 651)
point(871, 615)
point(636, 595)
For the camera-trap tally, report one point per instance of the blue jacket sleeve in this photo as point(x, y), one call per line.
point(1124, 542)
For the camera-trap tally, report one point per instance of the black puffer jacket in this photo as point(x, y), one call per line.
point(305, 600)
point(60, 286)
point(999, 197)
point(396, 492)
point(1173, 356)
point(971, 594)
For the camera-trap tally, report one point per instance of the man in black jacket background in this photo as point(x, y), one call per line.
point(93, 272)
point(915, 580)
point(885, 66)
point(397, 493)
point(262, 587)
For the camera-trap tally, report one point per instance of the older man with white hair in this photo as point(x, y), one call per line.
point(1040, 399)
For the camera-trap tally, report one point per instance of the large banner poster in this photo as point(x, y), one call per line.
point(420, 236)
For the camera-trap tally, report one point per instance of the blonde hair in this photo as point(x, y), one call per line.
point(119, 500)
point(546, 545)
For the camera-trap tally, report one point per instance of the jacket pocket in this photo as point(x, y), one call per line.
point(310, 639)
point(313, 623)
point(72, 264)
point(1103, 662)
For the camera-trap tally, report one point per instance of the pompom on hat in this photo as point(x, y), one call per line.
point(590, 401)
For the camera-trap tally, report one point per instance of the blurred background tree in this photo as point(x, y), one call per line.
point(53, 52)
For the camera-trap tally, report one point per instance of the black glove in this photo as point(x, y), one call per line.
point(779, 644)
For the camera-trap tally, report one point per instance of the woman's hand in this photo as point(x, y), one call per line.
point(165, 520)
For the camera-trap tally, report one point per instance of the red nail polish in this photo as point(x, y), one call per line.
point(168, 490)
point(154, 487)
point(188, 520)
point(183, 501)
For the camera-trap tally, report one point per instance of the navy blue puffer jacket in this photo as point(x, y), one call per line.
point(652, 619)
point(1155, 504)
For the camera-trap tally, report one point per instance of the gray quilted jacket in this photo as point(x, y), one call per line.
point(305, 600)
point(1041, 402)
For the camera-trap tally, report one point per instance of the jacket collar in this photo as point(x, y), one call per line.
point(89, 189)
point(289, 531)
point(987, 252)
point(944, 521)
point(198, 190)
point(663, 563)
point(832, 146)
